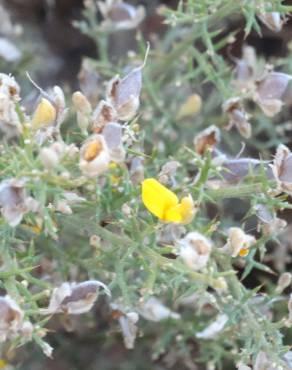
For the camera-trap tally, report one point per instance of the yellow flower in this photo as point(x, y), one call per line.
point(44, 115)
point(165, 205)
point(3, 363)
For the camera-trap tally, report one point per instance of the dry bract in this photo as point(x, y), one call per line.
point(283, 282)
point(14, 201)
point(268, 222)
point(90, 81)
point(124, 94)
point(238, 117)
point(113, 135)
point(103, 114)
point(206, 139)
point(127, 321)
point(119, 15)
point(10, 123)
point(74, 298)
point(11, 318)
point(216, 327)
point(195, 250)
point(272, 20)
point(270, 91)
point(94, 156)
point(154, 310)
point(238, 242)
point(245, 70)
point(282, 169)
point(137, 170)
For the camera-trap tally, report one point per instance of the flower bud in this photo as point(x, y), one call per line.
point(191, 107)
point(83, 108)
point(195, 250)
point(44, 115)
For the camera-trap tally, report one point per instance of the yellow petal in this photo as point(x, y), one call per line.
point(183, 213)
point(44, 114)
point(3, 363)
point(187, 209)
point(173, 214)
point(157, 198)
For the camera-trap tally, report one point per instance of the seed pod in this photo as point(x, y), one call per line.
point(94, 156)
point(207, 138)
point(74, 298)
point(195, 250)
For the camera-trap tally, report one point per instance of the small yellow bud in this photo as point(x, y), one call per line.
point(44, 115)
point(191, 107)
